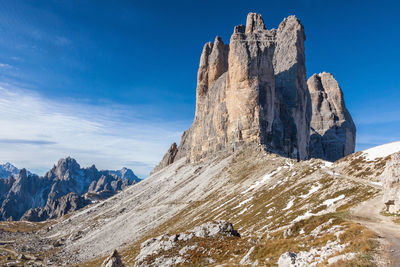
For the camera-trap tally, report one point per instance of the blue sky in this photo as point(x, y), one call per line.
point(113, 82)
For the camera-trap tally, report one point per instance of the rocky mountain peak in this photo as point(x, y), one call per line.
point(64, 169)
point(323, 82)
point(7, 169)
point(23, 173)
point(254, 23)
point(254, 91)
point(213, 63)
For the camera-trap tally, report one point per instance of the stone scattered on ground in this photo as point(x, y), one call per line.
point(157, 246)
point(114, 260)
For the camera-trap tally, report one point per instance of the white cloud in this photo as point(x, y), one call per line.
point(36, 132)
point(4, 65)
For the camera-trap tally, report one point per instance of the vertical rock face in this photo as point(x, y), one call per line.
point(333, 132)
point(250, 88)
point(391, 184)
point(254, 90)
point(291, 84)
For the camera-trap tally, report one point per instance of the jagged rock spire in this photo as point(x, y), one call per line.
point(252, 91)
point(254, 23)
point(291, 85)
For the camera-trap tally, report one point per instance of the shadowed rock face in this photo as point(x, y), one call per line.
point(253, 90)
point(333, 132)
point(291, 84)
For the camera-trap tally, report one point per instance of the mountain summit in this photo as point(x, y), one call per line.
point(7, 169)
point(255, 90)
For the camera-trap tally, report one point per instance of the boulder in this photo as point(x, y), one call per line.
point(391, 184)
point(114, 260)
point(158, 245)
point(288, 259)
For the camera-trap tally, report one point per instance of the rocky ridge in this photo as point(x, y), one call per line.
point(254, 91)
point(66, 187)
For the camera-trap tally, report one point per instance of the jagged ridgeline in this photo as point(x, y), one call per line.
point(254, 90)
point(65, 188)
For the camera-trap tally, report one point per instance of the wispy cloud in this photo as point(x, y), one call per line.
point(37, 131)
point(5, 66)
point(23, 141)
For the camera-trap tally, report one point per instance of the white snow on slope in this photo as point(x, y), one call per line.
point(313, 189)
point(263, 180)
point(382, 151)
point(327, 164)
point(289, 205)
point(223, 204)
point(243, 202)
point(306, 215)
point(329, 202)
point(376, 183)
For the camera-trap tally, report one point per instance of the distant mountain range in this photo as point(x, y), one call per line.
point(7, 169)
point(64, 188)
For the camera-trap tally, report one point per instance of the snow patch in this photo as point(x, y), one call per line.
point(333, 173)
point(376, 183)
point(327, 164)
point(223, 204)
point(306, 215)
point(289, 205)
point(331, 201)
point(313, 189)
point(243, 211)
point(243, 202)
point(262, 181)
point(382, 151)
